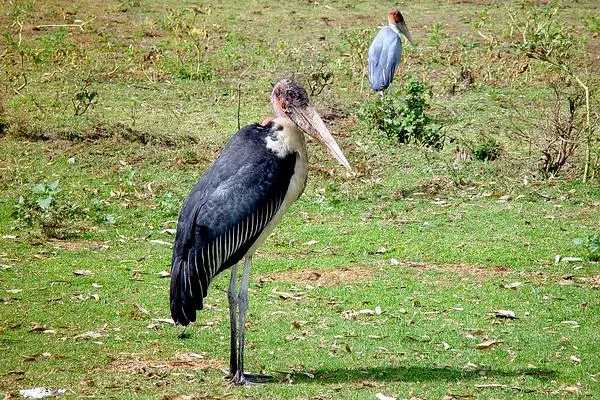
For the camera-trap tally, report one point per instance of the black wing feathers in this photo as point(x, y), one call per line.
point(224, 215)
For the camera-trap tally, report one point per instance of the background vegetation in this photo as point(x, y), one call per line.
point(458, 260)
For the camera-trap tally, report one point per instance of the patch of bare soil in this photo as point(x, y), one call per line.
point(593, 281)
point(78, 245)
point(461, 269)
point(128, 362)
point(320, 277)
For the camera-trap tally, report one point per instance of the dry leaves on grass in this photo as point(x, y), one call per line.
point(352, 314)
point(487, 344)
point(132, 362)
point(320, 277)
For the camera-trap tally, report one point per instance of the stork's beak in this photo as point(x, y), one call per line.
point(404, 29)
point(309, 121)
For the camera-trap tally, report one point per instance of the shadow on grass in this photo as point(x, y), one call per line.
point(411, 374)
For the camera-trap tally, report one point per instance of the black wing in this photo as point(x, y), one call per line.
point(224, 215)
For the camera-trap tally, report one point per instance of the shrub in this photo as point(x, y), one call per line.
point(402, 115)
point(47, 208)
point(486, 149)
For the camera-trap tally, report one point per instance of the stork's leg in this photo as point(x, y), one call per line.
point(242, 304)
point(240, 377)
point(232, 297)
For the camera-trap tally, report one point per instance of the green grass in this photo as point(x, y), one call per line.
point(433, 244)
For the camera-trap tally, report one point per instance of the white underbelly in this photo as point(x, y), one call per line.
point(295, 189)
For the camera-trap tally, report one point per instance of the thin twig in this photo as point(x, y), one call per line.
point(79, 25)
point(239, 104)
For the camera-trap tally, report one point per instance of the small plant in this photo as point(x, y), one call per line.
point(547, 39)
point(557, 136)
point(319, 79)
point(592, 23)
point(84, 98)
point(46, 207)
point(436, 35)
point(486, 149)
point(402, 116)
point(592, 246)
point(355, 46)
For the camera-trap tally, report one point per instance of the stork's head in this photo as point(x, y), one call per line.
point(290, 100)
point(396, 20)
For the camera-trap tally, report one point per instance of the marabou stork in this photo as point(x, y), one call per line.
point(236, 204)
point(386, 50)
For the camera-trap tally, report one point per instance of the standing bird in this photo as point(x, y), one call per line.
point(236, 204)
point(386, 50)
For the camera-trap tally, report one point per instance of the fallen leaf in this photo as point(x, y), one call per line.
point(575, 359)
point(310, 243)
point(83, 272)
point(470, 367)
point(164, 274)
point(491, 385)
point(572, 389)
point(13, 291)
point(446, 346)
point(351, 314)
point(571, 259)
point(41, 393)
point(381, 396)
point(9, 237)
point(88, 335)
point(170, 231)
point(513, 285)
point(161, 242)
point(164, 320)
point(286, 296)
point(487, 344)
point(95, 285)
point(394, 261)
point(509, 314)
point(37, 328)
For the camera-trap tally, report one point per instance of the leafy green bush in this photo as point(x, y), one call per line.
point(47, 208)
point(486, 149)
point(402, 115)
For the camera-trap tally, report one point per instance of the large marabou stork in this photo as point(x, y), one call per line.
point(236, 204)
point(386, 50)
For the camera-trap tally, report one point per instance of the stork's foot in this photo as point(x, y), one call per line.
point(240, 378)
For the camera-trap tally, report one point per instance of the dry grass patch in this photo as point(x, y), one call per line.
point(593, 281)
point(479, 271)
point(78, 245)
point(321, 277)
point(128, 362)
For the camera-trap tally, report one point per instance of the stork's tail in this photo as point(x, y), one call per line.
point(183, 303)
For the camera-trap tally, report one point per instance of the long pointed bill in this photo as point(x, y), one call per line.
point(404, 29)
point(310, 122)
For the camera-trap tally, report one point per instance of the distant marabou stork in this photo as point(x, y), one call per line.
point(236, 204)
point(386, 50)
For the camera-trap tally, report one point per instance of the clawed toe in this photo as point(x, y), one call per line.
point(240, 378)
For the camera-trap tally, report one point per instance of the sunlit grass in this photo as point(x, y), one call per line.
point(442, 240)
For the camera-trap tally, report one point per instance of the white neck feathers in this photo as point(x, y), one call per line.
point(285, 138)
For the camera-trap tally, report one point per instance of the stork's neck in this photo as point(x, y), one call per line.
point(285, 138)
point(394, 27)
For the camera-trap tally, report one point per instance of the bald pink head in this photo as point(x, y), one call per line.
point(396, 21)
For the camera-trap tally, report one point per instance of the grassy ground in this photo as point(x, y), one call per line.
point(431, 249)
